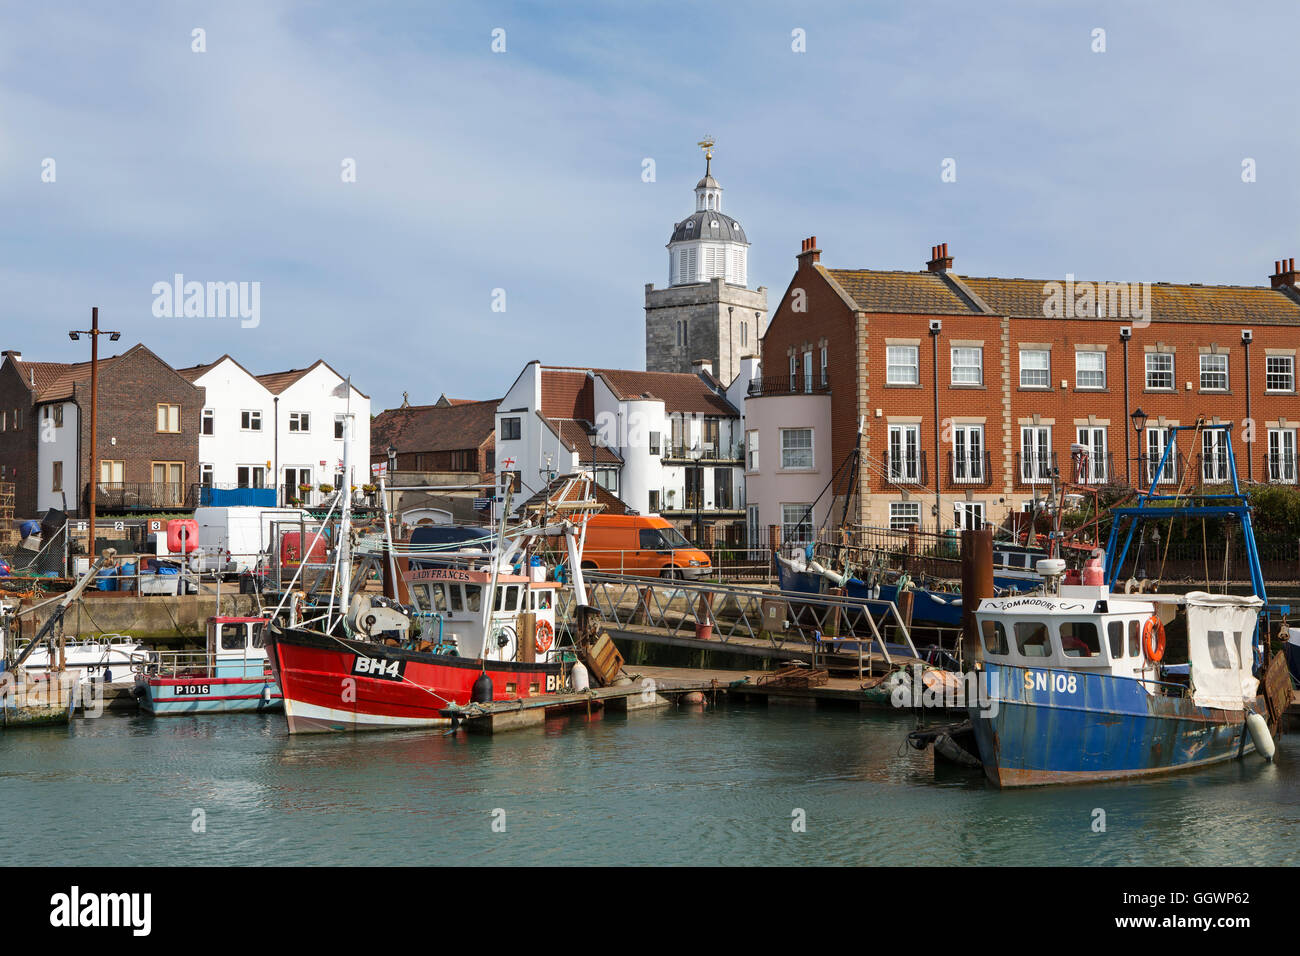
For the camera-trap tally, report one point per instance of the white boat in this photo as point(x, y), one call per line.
point(107, 658)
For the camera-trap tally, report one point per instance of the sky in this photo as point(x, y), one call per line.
point(522, 170)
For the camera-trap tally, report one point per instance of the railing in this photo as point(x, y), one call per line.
point(1213, 468)
point(1092, 469)
point(726, 563)
point(906, 469)
point(1280, 467)
point(970, 470)
point(748, 619)
point(785, 385)
point(144, 495)
point(1174, 471)
point(708, 453)
point(1036, 468)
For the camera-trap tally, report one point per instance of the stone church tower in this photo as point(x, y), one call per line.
point(707, 312)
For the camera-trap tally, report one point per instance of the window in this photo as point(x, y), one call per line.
point(654, 443)
point(901, 365)
point(1080, 639)
point(807, 372)
point(1214, 456)
point(53, 413)
point(744, 333)
point(654, 501)
point(751, 450)
point(711, 429)
point(340, 423)
point(1035, 453)
point(722, 488)
point(794, 373)
point(205, 474)
point(968, 515)
point(110, 472)
point(1032, 639)
point(1089, 369)
point(1035, 369)
point(796, 524)
point(4, 420)
point(904, 515)
point(18, 419)
point(1092, 470)
point(1160, 370)
point(1281, 455)
point(753, 534)
point(796, 448)
point(1134, 638)
point(207, 421)
point(1279, 373)
point(1214, 373)
point(56, 479)
point(995, 637)
point(251, 476)
point(825, 372)
point(967, 366)
point(1157, 442)
point(968, 453)
point(250, 421)
point(904, 454)
point(169, 418)
point(1115, 634)
point(510, 429)
point(299, 422)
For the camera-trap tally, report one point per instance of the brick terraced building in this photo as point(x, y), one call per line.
point(970, 390)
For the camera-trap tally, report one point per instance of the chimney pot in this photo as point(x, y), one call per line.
point(1277, 267)
point(1290, 265)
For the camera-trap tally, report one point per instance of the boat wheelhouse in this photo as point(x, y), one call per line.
point(231, 675)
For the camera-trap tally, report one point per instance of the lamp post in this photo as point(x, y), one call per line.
point(1139, 418)
point(94, 332)
point(1246, 336)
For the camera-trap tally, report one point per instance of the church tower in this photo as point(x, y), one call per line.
point(707, 312)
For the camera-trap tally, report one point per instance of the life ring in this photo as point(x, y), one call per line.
point(1153, 639)
point(544, 636)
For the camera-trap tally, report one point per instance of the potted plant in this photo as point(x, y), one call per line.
point(326, 489)
point(305, 488)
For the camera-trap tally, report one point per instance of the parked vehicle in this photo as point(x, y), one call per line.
point(641, 544)
point(231, 538)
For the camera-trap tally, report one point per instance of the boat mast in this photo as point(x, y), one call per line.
point(345, 517)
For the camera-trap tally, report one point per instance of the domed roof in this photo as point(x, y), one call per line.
point(708, 182)
point(708, 224)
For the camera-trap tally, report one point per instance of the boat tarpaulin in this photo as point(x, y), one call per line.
point(1220, 629)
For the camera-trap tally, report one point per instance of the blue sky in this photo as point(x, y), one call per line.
point(522, 170)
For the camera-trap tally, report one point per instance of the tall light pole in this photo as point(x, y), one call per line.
point(697, 453)
point(94, 332)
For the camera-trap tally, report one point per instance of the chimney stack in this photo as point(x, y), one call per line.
point(1283, 273)
point(809, 253)
point(703, 367)
point(940, 261)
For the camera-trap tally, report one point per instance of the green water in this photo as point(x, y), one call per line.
point(674, 786)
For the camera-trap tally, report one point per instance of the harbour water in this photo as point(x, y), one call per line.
point(724, 786)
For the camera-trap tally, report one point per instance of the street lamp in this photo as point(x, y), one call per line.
point(697, 453)
point(1139, 425)
point(392, 460)
point(94, 332)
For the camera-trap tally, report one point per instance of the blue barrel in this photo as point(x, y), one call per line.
point(29, 528)
point(126, 573)
point(106, 580)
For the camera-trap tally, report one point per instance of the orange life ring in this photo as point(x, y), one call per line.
point(544, 636)
point(1153, 639)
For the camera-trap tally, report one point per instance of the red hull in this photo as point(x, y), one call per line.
point(331, 684)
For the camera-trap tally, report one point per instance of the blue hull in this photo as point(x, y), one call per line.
point(1045, 726)
point(173, 699)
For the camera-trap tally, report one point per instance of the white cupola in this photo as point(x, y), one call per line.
point(708, 244)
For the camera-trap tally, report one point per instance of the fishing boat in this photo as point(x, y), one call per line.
point(231, 675)
point(1074, 684)
point(106, 659)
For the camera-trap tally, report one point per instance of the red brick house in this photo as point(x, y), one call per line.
point(451, 436)
point(1029, 372)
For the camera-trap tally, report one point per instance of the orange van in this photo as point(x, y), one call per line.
point(641, 544)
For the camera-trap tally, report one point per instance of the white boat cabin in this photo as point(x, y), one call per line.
point(450, 601)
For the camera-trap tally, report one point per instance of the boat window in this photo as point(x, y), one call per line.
point(259, 635)
point(1115, 631)
point(1134, 638)
point(1080, 639)
point(1031, 639)
point(473, 598)
point(232, 637)
point(995, 637)
point(544, 600)
point(1220, 656)
point(456, 601)
point(511, 598)
point(1018, 560)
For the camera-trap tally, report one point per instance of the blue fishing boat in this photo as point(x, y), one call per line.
point(1073, 682)
point(232, 675)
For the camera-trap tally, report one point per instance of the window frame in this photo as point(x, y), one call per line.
point(1046, 384)
point(786, 449)
point(158, 418)
point(1172, 372)
point(914, 365)
point(1204, 373)
point(1290, 374)
point(977, 367)
point(1079, 371)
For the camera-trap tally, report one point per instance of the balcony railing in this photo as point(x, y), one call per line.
point(906, 469)
point(970, 470)
point(1092, 470)
point(1175, 469)
point(1280, 467)
point(1036, 468)
point(1213, 468)
point(785, 385)
point(144, 495)
point(708, 453)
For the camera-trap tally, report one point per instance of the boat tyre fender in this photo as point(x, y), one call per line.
point(1153, 639)
point(544, 636)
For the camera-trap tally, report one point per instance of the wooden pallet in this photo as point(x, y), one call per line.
point(795, 675)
